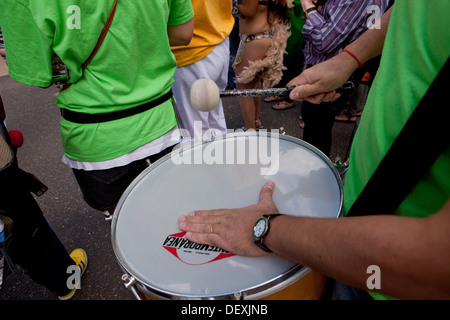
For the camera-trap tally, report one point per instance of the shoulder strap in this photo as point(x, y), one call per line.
point(99, 42)
point(422, 140)
point(102, 35)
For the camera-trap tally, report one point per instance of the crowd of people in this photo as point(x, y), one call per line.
point(127, 93)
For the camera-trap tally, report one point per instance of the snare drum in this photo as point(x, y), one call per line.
point(227, 172)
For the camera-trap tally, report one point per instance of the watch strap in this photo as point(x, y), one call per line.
point(268, 216)
point(260, 241)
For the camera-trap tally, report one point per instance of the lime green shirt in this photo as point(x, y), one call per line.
point(294, 42)
point(416, 48)
point(134, 65)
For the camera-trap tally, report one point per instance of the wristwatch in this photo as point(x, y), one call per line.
point(307, 12)
point(260, 230)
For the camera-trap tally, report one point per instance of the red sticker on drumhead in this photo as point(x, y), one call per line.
point(193, 253)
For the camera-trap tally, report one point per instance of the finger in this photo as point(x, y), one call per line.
point(266, 203)
point(218, 240)
point(267, 191)
point(202, 227)
point(331, 96)
point(201, 215)
point(302, 92)
point(204, 238)
point(205, 213)
point(300, 80)
point(316, 99)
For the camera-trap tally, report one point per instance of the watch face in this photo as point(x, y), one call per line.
point(260, 228)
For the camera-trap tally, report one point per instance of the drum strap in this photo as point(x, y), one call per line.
point(99, 42)
point(79, 117)
point(400, 170)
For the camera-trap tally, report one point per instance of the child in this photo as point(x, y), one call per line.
point(264, 30)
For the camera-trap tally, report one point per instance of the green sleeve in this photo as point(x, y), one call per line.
point(181, 11)
point(28, 51)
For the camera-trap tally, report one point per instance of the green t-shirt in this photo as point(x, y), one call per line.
point(294, 42)
point(134, 65)
point(416, 48)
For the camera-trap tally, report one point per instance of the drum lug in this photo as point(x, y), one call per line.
point(108, 215)
point(341, 167)
point(213, 136)
point(282, 131)
point(129, 284)
point(238, 295)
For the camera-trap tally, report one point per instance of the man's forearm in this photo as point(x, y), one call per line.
point(317, 83)
point(370, 43)
point(344, 248)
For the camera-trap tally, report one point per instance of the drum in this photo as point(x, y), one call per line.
point(227, 172)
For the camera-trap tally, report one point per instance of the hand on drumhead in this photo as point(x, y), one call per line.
point(230, 229)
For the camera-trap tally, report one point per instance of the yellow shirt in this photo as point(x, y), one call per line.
point(213, 23)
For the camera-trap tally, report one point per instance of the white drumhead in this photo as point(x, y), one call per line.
point(145, 234)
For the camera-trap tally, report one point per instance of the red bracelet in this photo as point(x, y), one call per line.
point(354, 57)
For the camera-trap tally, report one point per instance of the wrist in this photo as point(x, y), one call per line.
point(307, 12)
point(261, 230)
point(348, 63)
point(351, 54)
point(307, 4)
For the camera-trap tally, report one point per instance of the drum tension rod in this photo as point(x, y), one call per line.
point(129, 284)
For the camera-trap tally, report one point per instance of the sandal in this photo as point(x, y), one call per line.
point(273, 98)
point(283, 105)
point(258, 124)
point(345, 118)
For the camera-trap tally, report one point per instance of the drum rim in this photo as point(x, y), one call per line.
point(256, 292)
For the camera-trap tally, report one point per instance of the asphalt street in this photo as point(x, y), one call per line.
point(33, 111)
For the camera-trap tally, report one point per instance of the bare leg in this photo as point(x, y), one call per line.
point(250, 106)
point(257, 101)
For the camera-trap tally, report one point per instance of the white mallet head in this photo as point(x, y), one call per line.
point(205, 95)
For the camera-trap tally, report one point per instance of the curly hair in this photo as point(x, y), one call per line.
point(281, 9)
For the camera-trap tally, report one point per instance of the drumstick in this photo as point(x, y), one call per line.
point(257, 92)
point(271, 91)
point(205, 94)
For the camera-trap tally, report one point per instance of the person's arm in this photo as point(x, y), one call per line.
point(28, 49)
point(248, 8)
point(319, 82)
point(412, 253)
point(327, 31)
point(181, 35)
point(307, 4)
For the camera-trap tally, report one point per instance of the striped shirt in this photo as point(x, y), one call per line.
point(339, 23)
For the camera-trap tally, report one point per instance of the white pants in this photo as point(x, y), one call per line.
point(215, 67)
